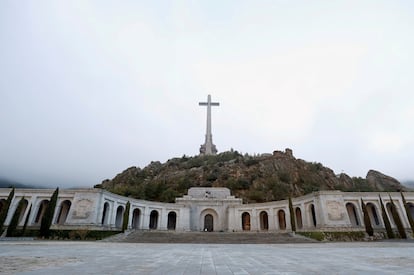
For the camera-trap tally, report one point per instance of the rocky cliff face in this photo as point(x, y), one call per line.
point(261, 178)
point(381, 182)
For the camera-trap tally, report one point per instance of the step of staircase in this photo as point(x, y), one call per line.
point(208, 237)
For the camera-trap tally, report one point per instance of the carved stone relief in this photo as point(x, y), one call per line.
point(83, 209)
point(335, 212)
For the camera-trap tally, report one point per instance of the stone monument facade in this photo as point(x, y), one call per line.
point(207, 209)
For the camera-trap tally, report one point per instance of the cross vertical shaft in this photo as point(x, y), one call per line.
point(208, 148)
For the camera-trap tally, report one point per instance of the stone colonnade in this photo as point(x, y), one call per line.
point(207, 209)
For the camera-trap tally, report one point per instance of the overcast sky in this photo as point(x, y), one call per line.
point(90, 88)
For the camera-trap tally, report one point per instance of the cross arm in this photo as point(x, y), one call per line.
point(211, 104)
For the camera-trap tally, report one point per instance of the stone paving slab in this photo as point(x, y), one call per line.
point(54, 257)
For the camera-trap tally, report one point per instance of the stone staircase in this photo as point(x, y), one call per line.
point(208, 237)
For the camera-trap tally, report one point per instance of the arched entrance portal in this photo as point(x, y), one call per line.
point(63, 212)
point(313, 214)
point(172, 220)
point(208, 223)
point(373, 216)
point(41, 211)
point(136, 218)
point(119, 216)
point(264, 221)
point(246, 221)
point(105, 214)
point(282, 219)
point(352, 213)
point(153, 223)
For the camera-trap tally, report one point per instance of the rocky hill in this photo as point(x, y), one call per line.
point(262, 178)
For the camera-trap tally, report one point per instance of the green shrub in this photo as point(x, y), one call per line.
point(397, 220)
point(5, 210)
point(334, 235)
point(26, 221)
point(284, 176)
point(47, 218)
point(316, 235)
point(292, 215)
point(126, 216)
point(79, 234)
point(390, 232)
point(11, 229)
point(367, 221)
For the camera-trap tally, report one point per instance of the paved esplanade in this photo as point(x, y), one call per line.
point(47, 257)
point(208, 148)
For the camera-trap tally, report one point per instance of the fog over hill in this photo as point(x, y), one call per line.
point(6, 183)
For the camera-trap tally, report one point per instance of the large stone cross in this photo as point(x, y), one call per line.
point(208, 148)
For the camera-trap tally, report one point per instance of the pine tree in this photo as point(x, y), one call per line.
point(292, 215)
point(12, 228)
point(367, 221)
point(26, 221)
point(390, 232)
point(48, 216)
point(126, 216)
point(397, 220)
point(408, 212)
point(5, 209)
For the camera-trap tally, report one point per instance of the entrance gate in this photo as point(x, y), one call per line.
point(208, 223)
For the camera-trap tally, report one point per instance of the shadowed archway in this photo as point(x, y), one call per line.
point(352, 214)
point(105, 214)
point(153, 222)
point(312, 215)
point(373, 214)
point(41, 211)
point(298, 213)
point(172, 220)
point(119, 216)
point(63, 212)
point(245, 221)
point(264, 221)
point(208, 223)
point(136, 218)
point(282, 219)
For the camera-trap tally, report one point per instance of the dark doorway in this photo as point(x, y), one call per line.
point(372, 213)
point(246, 221)
point(353, 217)
point(119, 216)
point(41, 211)
point(172, 220)
point(264, 221)
point(105, 214)
point(63, 212)
point(299, 223)
point(136, 218)
point(153, 220)
point(208, 223)
point(313, 215)
point(282, 220)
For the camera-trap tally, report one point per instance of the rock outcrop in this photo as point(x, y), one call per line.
point(381, 182)
point(260, 178)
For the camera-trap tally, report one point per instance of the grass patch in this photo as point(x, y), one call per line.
point(341, 236)
point(78, 234)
